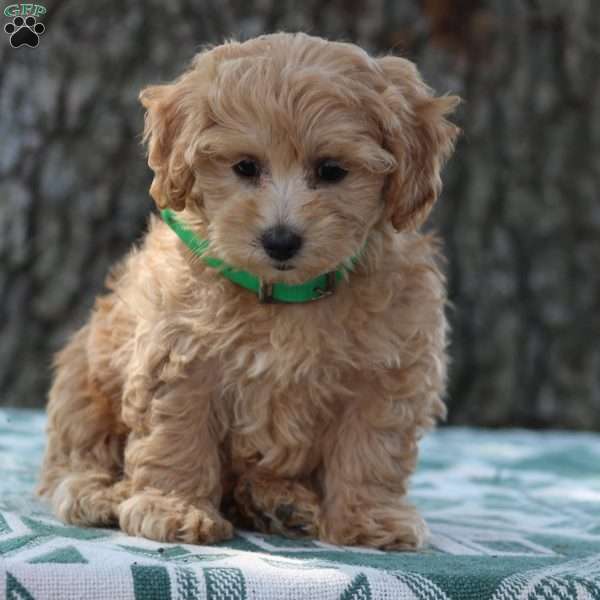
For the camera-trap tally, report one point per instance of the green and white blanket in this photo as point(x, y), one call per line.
point(513, 515)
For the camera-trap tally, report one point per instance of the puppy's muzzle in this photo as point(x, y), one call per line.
point(280, 242)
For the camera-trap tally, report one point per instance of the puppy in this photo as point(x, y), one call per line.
point(272, 352)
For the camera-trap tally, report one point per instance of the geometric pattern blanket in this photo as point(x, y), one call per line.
point(513, 515)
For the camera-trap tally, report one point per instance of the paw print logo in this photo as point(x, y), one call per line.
point(24, 32)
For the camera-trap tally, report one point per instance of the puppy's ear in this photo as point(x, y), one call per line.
point(175, 116)
point(417, 133)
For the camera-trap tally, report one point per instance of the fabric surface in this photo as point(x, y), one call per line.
point(513, 515)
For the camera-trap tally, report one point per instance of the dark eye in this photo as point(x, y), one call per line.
point(247, 168)
point(330, 171)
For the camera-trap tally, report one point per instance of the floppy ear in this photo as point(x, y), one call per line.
point(176, 114)
point(417, 133)
point(163, 125)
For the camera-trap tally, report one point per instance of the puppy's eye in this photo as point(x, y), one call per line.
point(247, 168)
point(330, 171)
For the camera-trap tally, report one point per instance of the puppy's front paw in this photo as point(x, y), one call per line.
point(386, 527)
point(163, 518)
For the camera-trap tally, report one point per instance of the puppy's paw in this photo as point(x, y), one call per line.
point(280, 506)
point(89, 499)
point(168, 518)
point(388, 528)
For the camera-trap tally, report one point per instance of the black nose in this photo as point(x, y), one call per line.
point(280, 242)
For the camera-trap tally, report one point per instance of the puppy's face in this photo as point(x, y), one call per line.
point(291, 185)
point(291, 149)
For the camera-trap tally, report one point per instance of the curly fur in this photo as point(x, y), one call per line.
point(184, 404)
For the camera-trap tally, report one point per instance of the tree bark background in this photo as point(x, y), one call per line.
point(520, 212)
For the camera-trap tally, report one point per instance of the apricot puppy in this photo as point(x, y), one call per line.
point(273, 350)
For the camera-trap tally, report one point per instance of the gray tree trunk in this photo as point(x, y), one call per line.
point(520, 215)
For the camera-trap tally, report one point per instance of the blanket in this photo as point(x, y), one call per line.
point(513, 514)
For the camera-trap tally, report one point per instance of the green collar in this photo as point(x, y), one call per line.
point(320, 287)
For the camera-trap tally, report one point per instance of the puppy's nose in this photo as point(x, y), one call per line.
point(281, 242)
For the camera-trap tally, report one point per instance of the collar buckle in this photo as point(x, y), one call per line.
point(265, 293)
point(266, 290)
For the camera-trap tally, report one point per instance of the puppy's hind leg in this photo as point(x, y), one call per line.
point(275, 505)
point(89, 498)
point(84, 454)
